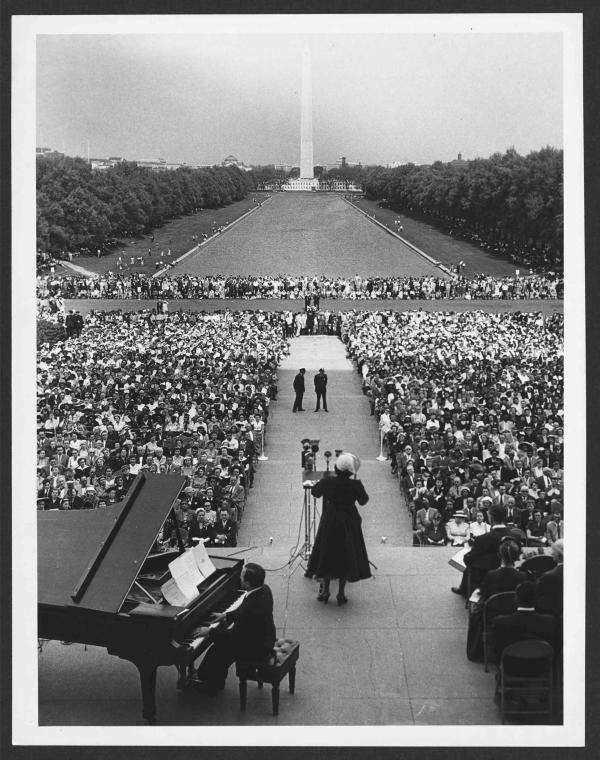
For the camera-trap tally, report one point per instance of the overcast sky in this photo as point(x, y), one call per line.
point(377, 98)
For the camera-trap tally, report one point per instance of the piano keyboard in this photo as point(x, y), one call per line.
point(193, 640)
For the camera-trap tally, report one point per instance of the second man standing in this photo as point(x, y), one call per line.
point(321, 389)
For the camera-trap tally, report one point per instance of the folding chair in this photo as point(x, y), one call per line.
point(527, 674)
point(499, 604)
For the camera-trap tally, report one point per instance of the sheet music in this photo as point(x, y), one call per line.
point(203, 561)
point(184, 571)
point(187, 572)
point(173, 594)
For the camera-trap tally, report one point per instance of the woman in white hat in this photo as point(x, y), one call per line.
point(339, 550)
point(457, 529)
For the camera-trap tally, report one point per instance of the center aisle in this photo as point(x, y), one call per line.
point(275, 505)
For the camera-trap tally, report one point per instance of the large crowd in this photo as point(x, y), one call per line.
point(520, 253)
point(140, 286)
point(190, 397)
point(470, 407)
point(470, 412)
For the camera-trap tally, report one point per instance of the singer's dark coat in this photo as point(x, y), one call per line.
point(339, 550)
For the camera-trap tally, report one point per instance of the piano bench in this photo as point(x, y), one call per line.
point(282, 664)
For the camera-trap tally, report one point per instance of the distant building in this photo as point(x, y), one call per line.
point(101, 164)
point(158, 165)
point(232, 160)
point(458, 162)
point(154, 164)
point(323, 186)
point(47, 152)
point(298, 183)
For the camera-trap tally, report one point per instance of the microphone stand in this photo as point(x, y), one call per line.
point(262, 457)
point(381, 458)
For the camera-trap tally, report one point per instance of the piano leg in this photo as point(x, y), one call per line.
point(148, 683)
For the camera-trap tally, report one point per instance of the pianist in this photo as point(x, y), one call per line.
point(247, 632)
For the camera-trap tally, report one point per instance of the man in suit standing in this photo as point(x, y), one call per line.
point(250, 637)
point(299, 390)
point(321, 389)
point(484, 554)
point(524, 624)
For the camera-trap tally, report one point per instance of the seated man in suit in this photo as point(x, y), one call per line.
point(224, 530)
point(524, 624)
point(550, 584)
point(425, 515)
point(435, 534)
point(251, 637)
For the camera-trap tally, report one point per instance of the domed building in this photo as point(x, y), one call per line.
point(232, 160)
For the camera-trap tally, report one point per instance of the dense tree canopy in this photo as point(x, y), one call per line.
point(79, 208)
point(520, 197)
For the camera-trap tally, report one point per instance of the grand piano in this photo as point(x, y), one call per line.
point(99, 584)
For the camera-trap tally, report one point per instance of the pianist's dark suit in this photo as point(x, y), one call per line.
point(251, 638)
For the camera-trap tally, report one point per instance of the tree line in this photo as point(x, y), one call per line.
point(80, 209)
point(512, 197)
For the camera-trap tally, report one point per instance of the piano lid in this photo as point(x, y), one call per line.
point(90, 558)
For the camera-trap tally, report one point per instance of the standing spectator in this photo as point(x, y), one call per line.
point(484, 554)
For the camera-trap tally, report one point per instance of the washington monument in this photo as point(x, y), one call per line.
point(306, 140)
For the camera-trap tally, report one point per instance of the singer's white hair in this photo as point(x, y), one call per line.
point(345, 462)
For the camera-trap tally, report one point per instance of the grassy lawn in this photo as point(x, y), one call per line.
point(440, 245)
point(307, 234)
point(176, 235)
point(298, 233)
